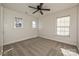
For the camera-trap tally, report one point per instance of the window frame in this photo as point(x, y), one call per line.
point(63, 26)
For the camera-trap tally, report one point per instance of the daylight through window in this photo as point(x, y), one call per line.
point(63, 25)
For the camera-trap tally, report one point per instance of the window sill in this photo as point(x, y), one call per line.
point(63, 35)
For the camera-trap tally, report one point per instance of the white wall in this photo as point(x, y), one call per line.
point(78, 29)
point(12, 34)
point(1, 29)
point(48, 26)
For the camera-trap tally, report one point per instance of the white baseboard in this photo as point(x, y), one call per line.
point(42, 37)
point(63, 41)
point(20, 40)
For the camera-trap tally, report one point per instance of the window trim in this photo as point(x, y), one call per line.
point(68, 26)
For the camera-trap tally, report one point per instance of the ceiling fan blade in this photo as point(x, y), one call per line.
point(35, 11)
point(32, 7)
point(46, 9)
point(41, 12)
point(41, 4)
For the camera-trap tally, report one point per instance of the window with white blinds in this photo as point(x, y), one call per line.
point(63, 25)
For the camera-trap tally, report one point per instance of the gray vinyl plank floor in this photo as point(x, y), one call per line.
point(39, 47)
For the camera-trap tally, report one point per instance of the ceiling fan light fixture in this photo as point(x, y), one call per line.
point(39, 8)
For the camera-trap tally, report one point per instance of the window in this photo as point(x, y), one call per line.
point(33, 24)
point(63, 25)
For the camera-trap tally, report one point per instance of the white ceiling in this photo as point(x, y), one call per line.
point(23, 7)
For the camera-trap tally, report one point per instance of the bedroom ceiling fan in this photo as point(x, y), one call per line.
point(39, 8)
